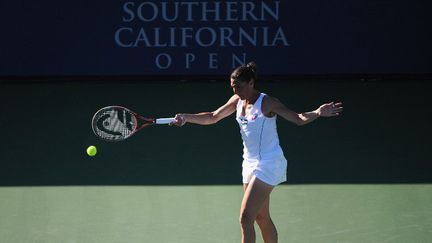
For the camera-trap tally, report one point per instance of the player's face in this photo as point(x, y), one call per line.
point(238, 88)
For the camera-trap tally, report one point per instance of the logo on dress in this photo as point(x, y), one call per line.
point(254, 117)
point(243, 120)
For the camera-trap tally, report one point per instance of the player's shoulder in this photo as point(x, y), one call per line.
point(270, 100)
point(234, 99)
point(268, 105)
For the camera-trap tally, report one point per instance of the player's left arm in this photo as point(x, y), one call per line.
point(273, 106)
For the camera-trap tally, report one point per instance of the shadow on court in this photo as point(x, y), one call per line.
point(382, 136)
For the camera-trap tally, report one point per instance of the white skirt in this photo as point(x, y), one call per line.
point(272, 172)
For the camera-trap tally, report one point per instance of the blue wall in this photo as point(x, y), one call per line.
point(313, 37)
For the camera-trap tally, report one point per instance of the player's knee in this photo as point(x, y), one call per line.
point(262, 218)
point(246, 219)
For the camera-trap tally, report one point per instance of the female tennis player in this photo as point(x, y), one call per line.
point(264, 165)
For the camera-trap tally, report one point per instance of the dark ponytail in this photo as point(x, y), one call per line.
point(245, 73)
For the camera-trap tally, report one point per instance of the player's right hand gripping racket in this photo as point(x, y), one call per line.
point(116, 123)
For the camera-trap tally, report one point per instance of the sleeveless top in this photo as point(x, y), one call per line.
point(259, 133)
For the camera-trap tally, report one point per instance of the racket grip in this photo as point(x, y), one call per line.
point(165, 120)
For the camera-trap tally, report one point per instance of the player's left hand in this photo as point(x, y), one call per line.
point(330, 109)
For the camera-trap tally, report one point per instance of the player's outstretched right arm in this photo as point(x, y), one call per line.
point(208, 118)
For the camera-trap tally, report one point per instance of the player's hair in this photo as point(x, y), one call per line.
point(245, 73)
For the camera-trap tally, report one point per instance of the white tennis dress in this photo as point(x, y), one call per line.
point(262, 154)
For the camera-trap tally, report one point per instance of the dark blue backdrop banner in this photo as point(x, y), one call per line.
point(212, 37)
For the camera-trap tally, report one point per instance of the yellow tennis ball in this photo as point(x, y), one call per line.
point(91, 150)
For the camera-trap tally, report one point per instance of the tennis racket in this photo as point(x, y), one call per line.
point(116, 123)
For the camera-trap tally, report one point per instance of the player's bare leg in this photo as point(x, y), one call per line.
point(264, 221)
point(255, 197)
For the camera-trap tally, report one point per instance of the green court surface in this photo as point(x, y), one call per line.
point(209, 214)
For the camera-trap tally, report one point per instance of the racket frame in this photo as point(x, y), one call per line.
point(140, 122)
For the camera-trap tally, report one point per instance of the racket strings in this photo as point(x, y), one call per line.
point(114, 124)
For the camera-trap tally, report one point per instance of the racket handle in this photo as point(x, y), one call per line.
point(164, 120)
